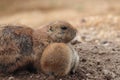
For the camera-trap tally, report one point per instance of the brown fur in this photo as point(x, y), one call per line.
point(58, 31)
point(58, 59)
point(41, 41)
point(21, 45)
point(16, 46)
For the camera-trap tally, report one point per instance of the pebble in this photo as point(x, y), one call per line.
point(11, 78)
point(109, 74)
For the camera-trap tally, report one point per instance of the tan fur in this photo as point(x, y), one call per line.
point(41, 41)
point(58, 31)
point(58, 59)
point(21, 45)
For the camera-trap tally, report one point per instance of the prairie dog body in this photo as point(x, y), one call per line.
point(21, 45)
point(16, 47)
point(58, 59)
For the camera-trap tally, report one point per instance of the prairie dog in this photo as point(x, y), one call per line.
point(58, 31)
point(21, 45)
point(58, 59)
point(16, 47)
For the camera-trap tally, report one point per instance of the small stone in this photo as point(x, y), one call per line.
point(31, 76)
point(104, 42)
point(38, 76)
point(11, 78)
point(109, 74)
point(51, 78)
point(75, 42)
point(83, 20)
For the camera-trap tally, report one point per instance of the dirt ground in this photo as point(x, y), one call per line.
point(98, 38)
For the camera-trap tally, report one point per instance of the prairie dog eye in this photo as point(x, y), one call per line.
point(64, 28)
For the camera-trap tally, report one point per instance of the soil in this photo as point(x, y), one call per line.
point(97, 41)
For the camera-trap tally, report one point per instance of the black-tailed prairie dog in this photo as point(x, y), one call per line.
point(57, 31)
point(21, 45)
point(58, 59)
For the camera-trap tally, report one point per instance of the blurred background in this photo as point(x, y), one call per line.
point(95, 19)
point(37, 12)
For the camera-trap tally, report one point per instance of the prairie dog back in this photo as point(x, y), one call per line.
point(16, 47)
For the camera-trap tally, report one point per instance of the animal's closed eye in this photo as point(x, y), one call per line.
point(64, 28)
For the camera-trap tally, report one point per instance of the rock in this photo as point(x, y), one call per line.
point(11, 78)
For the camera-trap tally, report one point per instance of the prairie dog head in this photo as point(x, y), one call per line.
point(61, 31)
